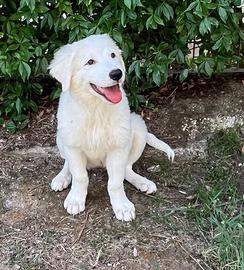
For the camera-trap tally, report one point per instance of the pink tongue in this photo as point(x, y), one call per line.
point(112, 93)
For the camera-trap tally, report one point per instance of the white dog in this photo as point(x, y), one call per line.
point(95, 126)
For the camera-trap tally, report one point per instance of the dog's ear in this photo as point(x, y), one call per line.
point(61, 66)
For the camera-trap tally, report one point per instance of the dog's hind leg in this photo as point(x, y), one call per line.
point(139, 134)
point(140, 182)
point(63, 179)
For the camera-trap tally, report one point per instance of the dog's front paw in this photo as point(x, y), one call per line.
point(170, 153)
point(60, 182)
point(74, 203)
point(124, 209)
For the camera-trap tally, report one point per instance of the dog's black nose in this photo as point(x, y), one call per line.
point(115, 74)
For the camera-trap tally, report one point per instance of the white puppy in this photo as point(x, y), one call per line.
point(95, 126)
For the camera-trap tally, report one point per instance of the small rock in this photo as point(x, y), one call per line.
point(182, 192)
point(242, 149)
point(154, 169)
point(191, 197)
point(135, 253)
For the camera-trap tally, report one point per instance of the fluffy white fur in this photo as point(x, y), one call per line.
point(95, 132)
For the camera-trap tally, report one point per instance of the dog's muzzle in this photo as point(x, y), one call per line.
point(112, 93)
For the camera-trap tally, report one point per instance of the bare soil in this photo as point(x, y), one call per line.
point(37, 233)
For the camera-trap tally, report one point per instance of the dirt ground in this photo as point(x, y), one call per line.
point(36, 231)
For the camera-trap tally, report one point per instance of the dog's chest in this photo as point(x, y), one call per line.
point(98, 135)
point(94, 128)
point(105, 132)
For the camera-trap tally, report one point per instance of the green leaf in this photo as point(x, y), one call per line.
point(37, 88)
point(211, 5)
point(87, 2)
point(33, 105)
point(138, 69)
point(213, 21)
point(223, 14)
point(117, 36)
point(173, 54)
point(192, 6)
point(18, 105)
point(55, 93)
point(167, 11)
point(180, 56)
point(205, 26)
point(24, 70)
point(198, 11)
point(202, 28)
point(158, 20)
point(217, 44)
point(241, 34)
point(220, 66)
point(9, 27)
point(135, 66)
point(208, 69)
point(38, 51)
point(24, 124)
point(132, 14)
point(128, 3)
point(27, 69)
point(22, 4)
point(149, 22)
point(44, 20)
point(29, 3)
point(162, 67)
point(50, 20)
point(156, 76)
point(13, 47)
point(184, 74)
point(10, 125)
point(227, 41)
point(137, 3)
point(44, 64)
point(122, 18)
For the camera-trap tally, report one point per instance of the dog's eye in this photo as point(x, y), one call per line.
point(112, 55)
point(91, 62)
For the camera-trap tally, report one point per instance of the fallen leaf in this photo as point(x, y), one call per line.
point(154, 168)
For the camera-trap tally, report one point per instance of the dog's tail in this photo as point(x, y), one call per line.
point(160, 145)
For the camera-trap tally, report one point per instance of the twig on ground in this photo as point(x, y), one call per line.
point(82, 229)
point(64, 218)
point(172, 93)
point(36, 187)
point(48, 263)
point(190, 255)
point(97, 258)
point(203, 235)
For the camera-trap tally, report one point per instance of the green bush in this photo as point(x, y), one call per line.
point(152, 34)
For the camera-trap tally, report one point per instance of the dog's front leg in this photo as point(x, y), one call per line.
point(75, 201)
point(115, 164)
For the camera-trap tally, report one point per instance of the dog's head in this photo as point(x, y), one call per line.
point(93, 65)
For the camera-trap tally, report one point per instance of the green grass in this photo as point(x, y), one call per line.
point(217, 204)
point(219, 212)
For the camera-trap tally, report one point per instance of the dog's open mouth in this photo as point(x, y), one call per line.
point(111, 93)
